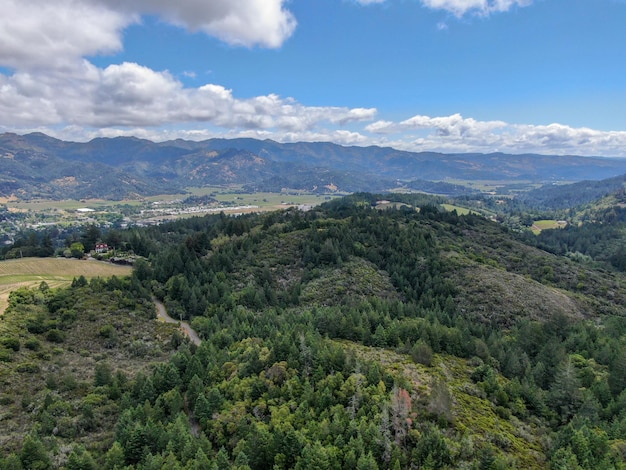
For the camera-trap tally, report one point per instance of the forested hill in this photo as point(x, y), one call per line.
point(367, 334)
point(596, 227)
point(558, 197)
point(38, 166)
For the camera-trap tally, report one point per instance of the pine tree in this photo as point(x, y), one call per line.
point(221, 459)
point(80, 459)
point(102, 374)
point(367, 462)
point(114, 458)
point(194, 389)
point(12, 462)
point(565, 395)
point(314, 456)
point(201, 461)
point(33, 455)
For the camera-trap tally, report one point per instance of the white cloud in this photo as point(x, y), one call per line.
point(133, 95)
point(242, 22)
point(37, 34)
point(44, 34)
point(482, 7)
point(213, 111)
point(457, 134)
point(461, 7)
point(369, 2)
point(454, 125)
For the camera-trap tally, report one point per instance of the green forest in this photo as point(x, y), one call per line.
point(346, 336)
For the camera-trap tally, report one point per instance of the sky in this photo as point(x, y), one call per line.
point(514, 76)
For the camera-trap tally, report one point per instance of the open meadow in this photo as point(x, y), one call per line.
point(30, 272)
point(539, 225)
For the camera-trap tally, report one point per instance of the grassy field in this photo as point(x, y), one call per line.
point(29, 272)
point(264, 200)
point(540, 225)
point(459, 210)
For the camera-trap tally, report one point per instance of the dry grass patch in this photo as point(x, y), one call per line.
point(56, 272)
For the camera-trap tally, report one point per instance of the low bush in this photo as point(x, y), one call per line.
point(11, 343)
point(33, 344)
point(55, 336)
point(28, 368)
point(6, 355)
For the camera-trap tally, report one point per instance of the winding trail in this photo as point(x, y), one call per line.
point(195, 339)
point(184, 326)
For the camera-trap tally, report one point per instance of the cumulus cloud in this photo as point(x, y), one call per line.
point(42, 34)
point(243, 22)
point(53, 84)
point(458, 134)
point(132, 95)
point(454, 125)
point(37, 34)
point(219, 114)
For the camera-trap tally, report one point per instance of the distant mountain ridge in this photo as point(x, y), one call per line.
point(39, 166)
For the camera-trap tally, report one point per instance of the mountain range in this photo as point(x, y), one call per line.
point(39, 166)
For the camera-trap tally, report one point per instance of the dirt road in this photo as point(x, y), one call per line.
point(184, 326)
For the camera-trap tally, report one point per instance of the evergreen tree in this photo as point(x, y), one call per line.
point(80, 459)
point(34, 455)
point(11, 462)
point(201, 461)
point(221, 460)
point(102, 374)
point(313, 456)
point(367, 462)
point(565, 395)
point(114, 458)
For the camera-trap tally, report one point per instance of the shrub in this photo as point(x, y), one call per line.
point(103, 374)
point(11, 343)
point(422, 353)
point(69, 382)
point(138, 349)
point(107, 331)
point(36, 325)
point(55, 336)
point(28, 368)
point(109, 334)
point(33, 344)
point(51, 382)
point(6, 400)
point(66, 427)
point(6, 355)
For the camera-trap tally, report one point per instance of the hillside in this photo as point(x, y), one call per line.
point(594, 229)
point(66, 356)
point(354, 336)
point(39, 166)
point(558, 197)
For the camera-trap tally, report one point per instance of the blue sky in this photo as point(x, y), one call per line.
point(545, 76)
